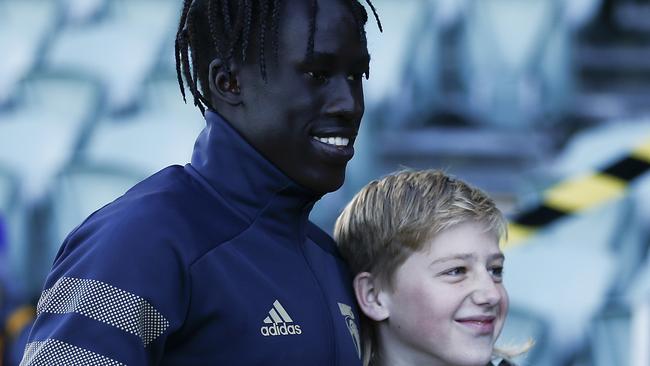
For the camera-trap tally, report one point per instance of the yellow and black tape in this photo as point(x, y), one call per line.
point(580, 194)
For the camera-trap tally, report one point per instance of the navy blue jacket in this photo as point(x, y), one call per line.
point(213, 263)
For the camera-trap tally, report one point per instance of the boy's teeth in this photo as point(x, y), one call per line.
point(336, 141)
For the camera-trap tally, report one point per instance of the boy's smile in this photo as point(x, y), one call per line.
point(448, 302)
point(480, 324)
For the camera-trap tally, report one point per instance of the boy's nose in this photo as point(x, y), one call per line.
point(486, 291)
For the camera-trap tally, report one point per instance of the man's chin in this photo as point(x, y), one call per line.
point(324, 184)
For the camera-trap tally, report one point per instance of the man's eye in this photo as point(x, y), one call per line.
point(317, 75)
point(355, 77)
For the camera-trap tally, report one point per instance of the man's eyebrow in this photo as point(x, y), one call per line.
point(332, 58)
point(322, 57)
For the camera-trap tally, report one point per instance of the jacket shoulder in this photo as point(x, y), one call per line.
point(322, 239)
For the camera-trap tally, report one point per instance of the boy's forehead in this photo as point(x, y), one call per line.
point(461, 239)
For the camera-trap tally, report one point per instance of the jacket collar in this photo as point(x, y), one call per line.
point(235, 170)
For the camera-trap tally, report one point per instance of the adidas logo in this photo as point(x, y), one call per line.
point(278, 321)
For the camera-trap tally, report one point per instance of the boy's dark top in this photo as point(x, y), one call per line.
point(214, 263)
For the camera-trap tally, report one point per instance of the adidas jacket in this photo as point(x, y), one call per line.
point(214, 263)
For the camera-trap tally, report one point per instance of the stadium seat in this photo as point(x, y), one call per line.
point(426, 126)
point(83, 11)
point(25, 27)
point(515, 61)
point(166, 64)
point(161, 133)
point(601, 146)
point(566, 271)
point(120, 50)
point(40, 134)
point(580, 12)
point(609, 337)
point(404, 55)
point(639, 289)
point(637, 297)
point(586, 260)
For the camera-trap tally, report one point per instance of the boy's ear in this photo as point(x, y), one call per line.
point(224, 83)
point(370, 296)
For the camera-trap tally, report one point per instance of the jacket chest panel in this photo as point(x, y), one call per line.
point(263, 293)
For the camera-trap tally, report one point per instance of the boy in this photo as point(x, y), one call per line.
point(425, 251)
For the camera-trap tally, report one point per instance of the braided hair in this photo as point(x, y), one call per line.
point(231, 24)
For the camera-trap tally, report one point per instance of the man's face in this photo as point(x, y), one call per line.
point(305, 118)
point(448, 304)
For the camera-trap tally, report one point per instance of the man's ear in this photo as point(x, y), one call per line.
point(371, 297)
point(224, 84)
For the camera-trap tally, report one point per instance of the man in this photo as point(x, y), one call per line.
point(216, 263)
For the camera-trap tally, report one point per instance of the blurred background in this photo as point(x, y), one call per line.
point(544, 104)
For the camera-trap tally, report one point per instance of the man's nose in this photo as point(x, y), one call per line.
point(345, 100)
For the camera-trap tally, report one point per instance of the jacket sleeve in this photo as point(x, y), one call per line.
point(116, 292)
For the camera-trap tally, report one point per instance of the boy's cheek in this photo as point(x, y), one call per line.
point(418, 312)
point(503, 310)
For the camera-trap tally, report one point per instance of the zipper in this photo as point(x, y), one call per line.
point(302, 242)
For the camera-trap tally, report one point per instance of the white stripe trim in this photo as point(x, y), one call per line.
point(105, 303)
point(55, 352)
point(275, 316)
point(283, 313)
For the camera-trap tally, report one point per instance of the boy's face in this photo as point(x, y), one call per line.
point(448, 303)
point(304, 104)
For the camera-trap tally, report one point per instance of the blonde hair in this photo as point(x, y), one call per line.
point(393, 217)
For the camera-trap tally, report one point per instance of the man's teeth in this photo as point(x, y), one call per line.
point(336, 141)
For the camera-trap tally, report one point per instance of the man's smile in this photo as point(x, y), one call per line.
point(335, 148)
point(335, 141)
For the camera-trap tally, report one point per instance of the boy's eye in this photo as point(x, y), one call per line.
point(456, 271)
point(497, 272)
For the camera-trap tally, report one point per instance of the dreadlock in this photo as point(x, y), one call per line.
point(230, 24)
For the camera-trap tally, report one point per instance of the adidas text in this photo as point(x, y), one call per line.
point(282, 329)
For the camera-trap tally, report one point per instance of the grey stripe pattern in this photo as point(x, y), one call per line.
point(54, 352)
point(105, 303)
